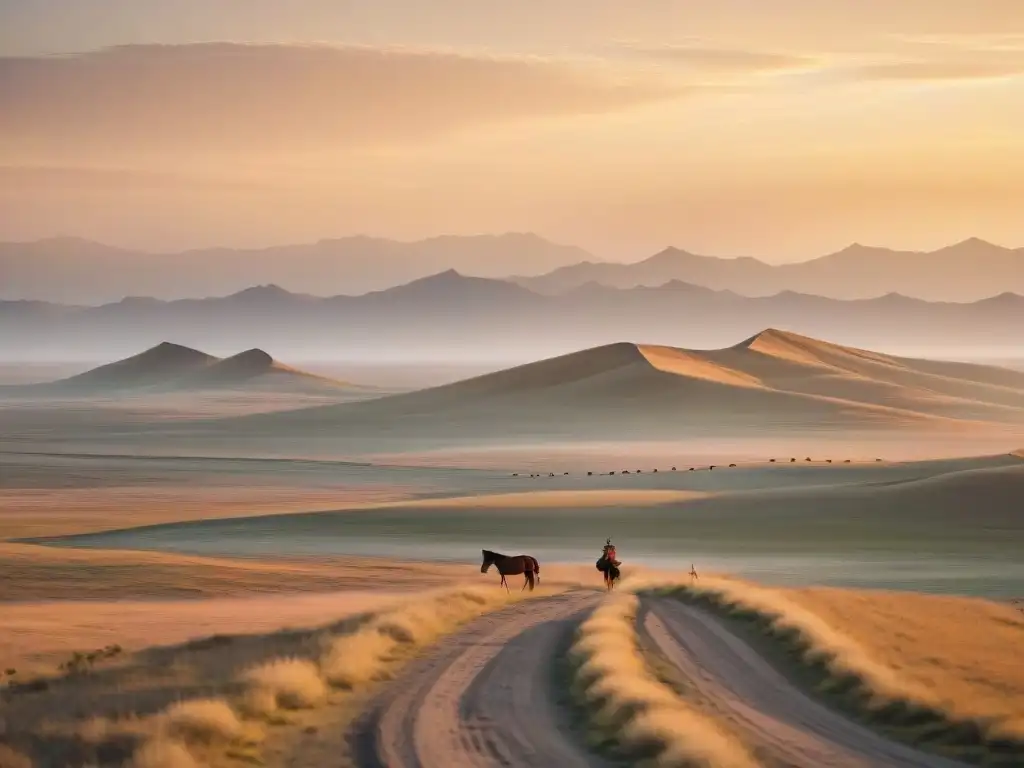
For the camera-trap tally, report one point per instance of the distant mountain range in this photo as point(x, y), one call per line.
point(449, 316)
point(75, 271)
point(968, 271)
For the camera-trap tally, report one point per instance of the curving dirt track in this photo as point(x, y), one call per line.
point(783, 726)
point(484, 697)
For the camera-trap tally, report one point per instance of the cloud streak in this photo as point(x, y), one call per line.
point(939, 58)
point(713, 59)
point(939, 70)
point(227, 97)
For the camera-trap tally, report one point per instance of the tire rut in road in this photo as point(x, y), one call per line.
point(784, 725)
point(483, 697)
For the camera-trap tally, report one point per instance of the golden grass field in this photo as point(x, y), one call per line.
point(960, 655)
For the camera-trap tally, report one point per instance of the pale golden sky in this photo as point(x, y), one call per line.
point(781, 128)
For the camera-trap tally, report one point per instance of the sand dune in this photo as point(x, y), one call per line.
point(775, 381)
point(171, 367)
point(157, 365)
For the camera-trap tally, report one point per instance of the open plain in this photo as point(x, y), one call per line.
point(203, 568)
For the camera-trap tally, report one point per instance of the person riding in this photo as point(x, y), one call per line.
point(609, 557)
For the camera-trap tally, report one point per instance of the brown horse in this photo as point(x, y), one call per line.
point(512, 566)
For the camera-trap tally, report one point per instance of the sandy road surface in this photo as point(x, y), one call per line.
point(484, 697)
point(780, 723)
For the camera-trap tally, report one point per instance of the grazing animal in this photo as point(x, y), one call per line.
point(589, 474)
point(693, 574)
point(673, 469)
point(711, 467)
point(792, 460)
point(513, 566)
point(846, 462)
point(771, 461)
point(731, 465)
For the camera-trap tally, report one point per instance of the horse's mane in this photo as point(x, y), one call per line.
point(488, 553)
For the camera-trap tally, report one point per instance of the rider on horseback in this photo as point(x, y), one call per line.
point(608, 557)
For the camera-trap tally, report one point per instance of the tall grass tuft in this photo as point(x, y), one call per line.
point(627, 703)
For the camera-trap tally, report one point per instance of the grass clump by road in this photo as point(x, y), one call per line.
point(639, 717)
point(371, 652)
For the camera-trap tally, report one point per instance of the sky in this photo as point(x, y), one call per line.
point(782, 129)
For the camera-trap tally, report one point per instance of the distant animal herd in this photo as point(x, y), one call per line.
point(710, 467)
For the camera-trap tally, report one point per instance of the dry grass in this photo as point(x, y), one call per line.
point(647, 718)
point(368, 654)
point(202, 720)
point(33, 573)
point(35, 638)
point(128, 497)
point(964, 654)
point(286, 684)
point(163, 753)
point(942, 672)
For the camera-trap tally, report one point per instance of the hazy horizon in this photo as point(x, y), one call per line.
point(622, 257)
point(726, 128)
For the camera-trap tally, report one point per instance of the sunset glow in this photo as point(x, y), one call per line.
point(779, 129)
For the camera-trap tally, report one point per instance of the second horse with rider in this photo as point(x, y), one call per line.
point(608, 564)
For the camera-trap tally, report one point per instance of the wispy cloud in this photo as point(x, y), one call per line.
point(705, 58)
point(939, 70)
point(941, 57)
point(227, 97)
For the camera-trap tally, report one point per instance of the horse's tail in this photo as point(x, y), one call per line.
point(530, 579)
point(536, 568)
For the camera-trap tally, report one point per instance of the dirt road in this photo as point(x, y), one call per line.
point(489, 696)
point(781, 724)
point(484, 697)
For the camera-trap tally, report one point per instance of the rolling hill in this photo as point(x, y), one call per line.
point(171, 367)
point(773, 382)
